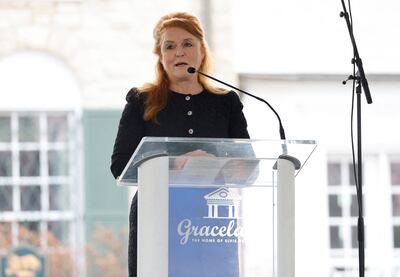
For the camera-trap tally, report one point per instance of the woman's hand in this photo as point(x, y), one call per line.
point(180, 161)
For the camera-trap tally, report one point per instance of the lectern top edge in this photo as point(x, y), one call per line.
point(228, 157)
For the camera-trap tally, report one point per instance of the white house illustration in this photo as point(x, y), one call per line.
point(223, 203)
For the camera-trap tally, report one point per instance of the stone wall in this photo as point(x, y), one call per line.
point(106, 44)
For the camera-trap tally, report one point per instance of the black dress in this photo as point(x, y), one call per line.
point(201, 115)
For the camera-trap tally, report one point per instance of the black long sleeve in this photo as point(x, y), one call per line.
point(202, 115)
point(131, 129)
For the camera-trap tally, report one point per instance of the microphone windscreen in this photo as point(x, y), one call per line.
point(191, 70)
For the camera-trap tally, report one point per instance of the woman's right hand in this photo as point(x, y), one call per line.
point(180, 161)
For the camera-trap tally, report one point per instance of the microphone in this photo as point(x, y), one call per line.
point(192, 70)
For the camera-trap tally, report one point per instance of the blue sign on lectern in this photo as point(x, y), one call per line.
point(204, 232)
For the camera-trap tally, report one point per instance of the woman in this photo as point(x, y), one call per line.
point(177, 103)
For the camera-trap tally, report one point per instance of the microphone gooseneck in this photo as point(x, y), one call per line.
point(192, 70)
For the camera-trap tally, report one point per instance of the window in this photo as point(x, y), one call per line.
point(343, 215)
point(343, 206)
point(37, 181)
point(395, 184)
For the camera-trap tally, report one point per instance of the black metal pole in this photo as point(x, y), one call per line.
point(361, 82)
point(360, 223)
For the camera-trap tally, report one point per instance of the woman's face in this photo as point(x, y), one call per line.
point(180, 50)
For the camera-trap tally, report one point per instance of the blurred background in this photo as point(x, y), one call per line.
point(66, 66)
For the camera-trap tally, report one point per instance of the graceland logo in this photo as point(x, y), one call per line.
point(186, 230)
point(221, 200)
point(222, 204)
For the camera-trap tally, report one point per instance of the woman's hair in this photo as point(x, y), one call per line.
point(156, 91)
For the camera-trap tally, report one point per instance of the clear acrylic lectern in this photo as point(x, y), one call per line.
point(216, 207)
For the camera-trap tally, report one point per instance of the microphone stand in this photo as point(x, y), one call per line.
point(284, 154)
point(361, 81)
point(357, 58)
point(281, 130)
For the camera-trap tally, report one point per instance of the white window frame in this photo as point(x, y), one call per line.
point(73, 214)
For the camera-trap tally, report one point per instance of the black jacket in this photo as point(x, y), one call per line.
point(202, 115)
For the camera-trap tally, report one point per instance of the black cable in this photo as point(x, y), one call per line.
point(352, 131)
point(359, 83)
point(355, 81)
point(351, 15)
point(352, 109)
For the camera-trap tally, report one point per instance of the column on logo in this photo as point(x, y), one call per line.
point(213, 211)
point(233, 211)
point(210, 210)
